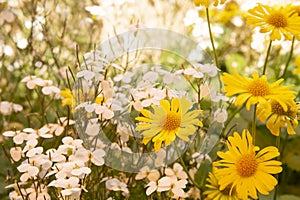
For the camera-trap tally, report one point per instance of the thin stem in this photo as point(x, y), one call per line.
point(254, 123)
point(185, 167)
point(267, 56)
point(289, 58)
point(211, 38)
point(278, 158)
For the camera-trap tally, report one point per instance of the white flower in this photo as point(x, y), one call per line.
point(28, 171)
point(30, 144)
point(160, 158)
point(116, 185)
point(16, 153)
point(86, 74)
point(59, 128)
point(32, 81)
point(18, 136)
point(170, 78)
point(152, 186)
point(167, 183)
point(151, 76)
point(49, 89)
point(145, 172)
point(71, 187)
point(103, 111)
point(6, 108)
point(40, 194)
point(55, 156)
point(93, 127)
point(97, 157)
point(195, 72)
point(220, 115)
point(176, 172)
point(210, 69)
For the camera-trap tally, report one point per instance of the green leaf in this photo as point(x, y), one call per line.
point(202, 172)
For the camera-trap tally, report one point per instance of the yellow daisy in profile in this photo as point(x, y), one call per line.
point(297, 64)
point(206, 3)
point(280, 21)
point(214, 193)
point(277, 118)
point(256, 90)
point(168, 121)
point(246, 170)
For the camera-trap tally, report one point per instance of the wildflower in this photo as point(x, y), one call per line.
point(220, 115)
point(6, 108)
point(152, 175)
point(32, 81)
point(256, 90)
point(206, 3)
point(49, 89)
point(168, 121)
point(97, 157)
point(16, 153)
point(116, 185)
point(244, 169)
point(67, 97)
point(279, 21)
point(166, 183)
point(297, 64)
point(176, 172)
point(277, 118)
point(214, 192)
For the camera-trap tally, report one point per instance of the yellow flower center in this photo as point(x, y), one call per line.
point(247, 165)
point(172, 122)
point(277, 109)
point(259, 87)
point(278, 20)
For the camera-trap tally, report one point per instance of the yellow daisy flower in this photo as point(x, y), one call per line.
point(67, 97)
point(206, 3)
point(277, 118)
point(255, 90)
point(297, 63)
point(245, 169)
point(214, 193)
point(168, 121)
point(280, 21)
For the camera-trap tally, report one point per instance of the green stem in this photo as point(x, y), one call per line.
point(289, 58)
point(254, 123)
point(267, 56)
point(185, 167)
point(278, 158)
point(211, 38)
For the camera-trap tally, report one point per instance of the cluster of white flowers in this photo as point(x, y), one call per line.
point(6, 107)
point(69, 163)
point(47, 85)
point(174, 181)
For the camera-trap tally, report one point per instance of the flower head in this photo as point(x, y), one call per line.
point(256, 90)
point(277, 118)
point(214, 193)
point(67, 97)
point(168, 121)
point(245, 169)
point(280, 22)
